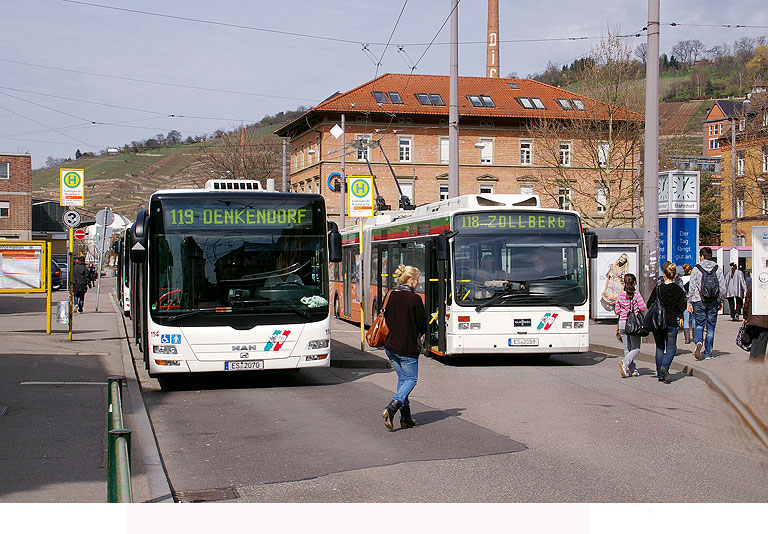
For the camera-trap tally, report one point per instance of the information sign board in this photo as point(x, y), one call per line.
point(360, 196)
point(72, 187)
point(21, 267)
point(760, 270)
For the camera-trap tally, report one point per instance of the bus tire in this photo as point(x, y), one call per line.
point(167, 383)
point(336, 310)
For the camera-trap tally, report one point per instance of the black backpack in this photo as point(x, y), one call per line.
point(710, 286)
point(656, 316)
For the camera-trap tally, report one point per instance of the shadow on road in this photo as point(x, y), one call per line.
point(523, 360)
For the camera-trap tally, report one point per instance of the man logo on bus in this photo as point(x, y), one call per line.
point(547, 321)
point(276, 340)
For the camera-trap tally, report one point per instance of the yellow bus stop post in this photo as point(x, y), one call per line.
point(360, 290)
point(69, 275)
point(49, 277)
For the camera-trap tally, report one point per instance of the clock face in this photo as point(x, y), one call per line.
point(684, 188)
point(663, 189)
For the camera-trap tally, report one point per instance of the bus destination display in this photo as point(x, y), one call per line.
point(516, 222)
point(183, 216)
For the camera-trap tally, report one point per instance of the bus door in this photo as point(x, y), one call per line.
point(379, 278)
point(436, 298)
point(348, 270)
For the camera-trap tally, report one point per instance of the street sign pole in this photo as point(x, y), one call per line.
point(108, 218)
point(69, 276)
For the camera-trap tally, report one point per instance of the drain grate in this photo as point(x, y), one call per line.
point(4, 410)
point(208, 495)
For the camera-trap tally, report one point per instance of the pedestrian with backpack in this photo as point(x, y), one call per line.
point(629, 301)
point(706, 293)
point(671, 297)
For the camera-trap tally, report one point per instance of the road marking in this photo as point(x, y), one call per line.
point(62, 383)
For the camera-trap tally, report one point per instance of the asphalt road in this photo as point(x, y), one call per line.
point(493, 430)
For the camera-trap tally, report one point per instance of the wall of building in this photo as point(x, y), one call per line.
point(752, 193)
point(16, 191)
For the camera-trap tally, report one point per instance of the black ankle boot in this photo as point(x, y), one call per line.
point(390, 411)
point(406, 421)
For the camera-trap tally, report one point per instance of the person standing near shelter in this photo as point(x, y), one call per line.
point(672, 298)
point(80, 282)
point(758, 329)
point(629, 300)
point(706, 293)
point(735, 287)
point(406, 320)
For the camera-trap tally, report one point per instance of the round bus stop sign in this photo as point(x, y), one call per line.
point(79, 233)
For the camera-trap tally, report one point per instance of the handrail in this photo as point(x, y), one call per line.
point(118, 445)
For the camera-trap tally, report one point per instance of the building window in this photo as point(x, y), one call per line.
point(486, 189)
point(579, 104)
point(423, 99)
point(380, 97)
point(394, 97)
point(538, 103)
point(436, 99)
point(480, 101)
point(740, 203)
point(564, 198)
point(742, 240)
point(764, 202)
point(765, 160)
point(442, 122)
point(363, 152)
point(444, 149)
point(564, 104)
point(603, 153)
point(714, 144)
point(526, 189)
point(513, 85)
point(525, 102)
point(765, 118)
point(601, 195)
point(486, 153)
point(565, 154)
point(475, 101)
point(5, 209)
point(404, 148)
point(742, 124)
point(526, 152)
point(487, 101)
point(5, 169)
point(443, 192)
point(740, 165)
point(301, 155)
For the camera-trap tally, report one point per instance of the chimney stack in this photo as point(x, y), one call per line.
point(492, 54)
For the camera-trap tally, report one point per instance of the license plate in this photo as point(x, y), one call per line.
point(244, 366)
point(523, 342)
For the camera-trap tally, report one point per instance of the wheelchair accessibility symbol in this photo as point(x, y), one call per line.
point(172, 339)
point(360, 188)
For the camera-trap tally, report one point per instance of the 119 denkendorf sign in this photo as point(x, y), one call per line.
point(72, 187)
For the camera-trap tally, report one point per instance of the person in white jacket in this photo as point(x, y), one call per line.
point(705, 308)
point(735, 289)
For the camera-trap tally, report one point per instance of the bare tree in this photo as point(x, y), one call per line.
point(255, 159)
point(641, 51)
point(697, 49)
point(592, 157)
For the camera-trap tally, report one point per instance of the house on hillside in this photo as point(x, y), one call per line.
point(715, 124)
point(515, 136)
point(751, 181)
point(16, 197)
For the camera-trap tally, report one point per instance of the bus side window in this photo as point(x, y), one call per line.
point(393, 264)
point(419, 261)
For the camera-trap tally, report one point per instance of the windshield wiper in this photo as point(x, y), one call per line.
point(498, 298)
point(190, 313)
point(524, 295)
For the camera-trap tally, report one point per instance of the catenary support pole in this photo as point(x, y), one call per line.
point(343, 195)
point(734, 190)
point(651, 159)
point(453, 106)
point(101, 255)
point(285, 164)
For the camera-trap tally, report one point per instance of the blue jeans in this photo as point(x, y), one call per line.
point(407, 369)
point(666, 346)
point(686, 319)
point(705, 313)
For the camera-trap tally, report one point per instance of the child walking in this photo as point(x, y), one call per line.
point(629, 300)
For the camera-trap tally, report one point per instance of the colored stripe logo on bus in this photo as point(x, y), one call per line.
point(276, 340)
point(547, 321)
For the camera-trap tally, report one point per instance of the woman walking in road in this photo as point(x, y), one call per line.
point(673, 300)
point(406, 320)
point(629, 300)
point(80, 282)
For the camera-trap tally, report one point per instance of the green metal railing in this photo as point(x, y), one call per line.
point(118, 445)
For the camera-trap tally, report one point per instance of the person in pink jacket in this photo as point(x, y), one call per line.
point(629, 300)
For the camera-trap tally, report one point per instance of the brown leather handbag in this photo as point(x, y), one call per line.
point(378, 332)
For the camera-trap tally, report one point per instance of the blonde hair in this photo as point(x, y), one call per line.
point(670, 271)
point(406, 272)
point(687, 268)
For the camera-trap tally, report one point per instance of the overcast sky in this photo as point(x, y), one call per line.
point(232, 75)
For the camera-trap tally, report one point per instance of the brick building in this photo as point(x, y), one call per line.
point(16, 196)
point(504, 145)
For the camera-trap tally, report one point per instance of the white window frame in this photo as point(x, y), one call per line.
point(5, 205)
point(564, 157)
point(363, 150)
point(740, 164)
point(764, 202)
point(740, 205)
point(765, 161)
point(442, 190)
point(601, 195)
point(7, 174)
point(490, 186)
point(526, 151)
point(714, 144)
point(526, 189)
point(443, 149)
point(603, 153)
point(405, 148)
point(765, 118)
point(564, 198)
point(301, 156)
point(486, 153)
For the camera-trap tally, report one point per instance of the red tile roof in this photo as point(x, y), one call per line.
point(360, 99)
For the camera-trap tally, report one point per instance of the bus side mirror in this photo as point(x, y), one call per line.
point(442, 245)
point(139, 238)
point(334, 243)
point(590, 239)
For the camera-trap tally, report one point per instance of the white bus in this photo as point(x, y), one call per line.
point(231, 278)
point(499, 274)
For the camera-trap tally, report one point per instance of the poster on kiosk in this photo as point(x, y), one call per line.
point(612, 263)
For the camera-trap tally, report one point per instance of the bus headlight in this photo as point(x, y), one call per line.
point(316, 344)
point(168, 363)
point(315, 357)
point(164, 349)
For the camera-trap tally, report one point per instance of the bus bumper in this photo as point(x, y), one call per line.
point(550, 343)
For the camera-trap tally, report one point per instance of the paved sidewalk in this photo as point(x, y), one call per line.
point(53, 403)
point(743, 382)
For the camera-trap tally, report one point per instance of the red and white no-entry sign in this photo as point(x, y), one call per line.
point(79, 233)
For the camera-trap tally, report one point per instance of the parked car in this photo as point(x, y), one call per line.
point(55, 276)
point(61, 260)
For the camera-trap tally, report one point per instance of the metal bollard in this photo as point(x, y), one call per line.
point(119, 466)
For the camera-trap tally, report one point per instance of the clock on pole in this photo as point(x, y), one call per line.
point(679, 202)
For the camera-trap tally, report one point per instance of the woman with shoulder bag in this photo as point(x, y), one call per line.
point(758, 328)
point(672, 298)
point(406, 320)
point(629, 300)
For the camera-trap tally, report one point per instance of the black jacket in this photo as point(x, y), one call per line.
point(80, 278)
point(672, 297)
point(406, 320)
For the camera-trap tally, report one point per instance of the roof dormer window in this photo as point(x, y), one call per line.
point(481, 101)
point(579, 104)
point(487, 101)
point(564, 104)
point(380, 96)
point(525, 102)
point(475, 101)
point(394, 97)
point(423, 99)
point(437, 100)
point(538, 103)
point(513, 85)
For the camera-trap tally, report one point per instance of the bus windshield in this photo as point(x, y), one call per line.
point(237, 259)
point(519, 259)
